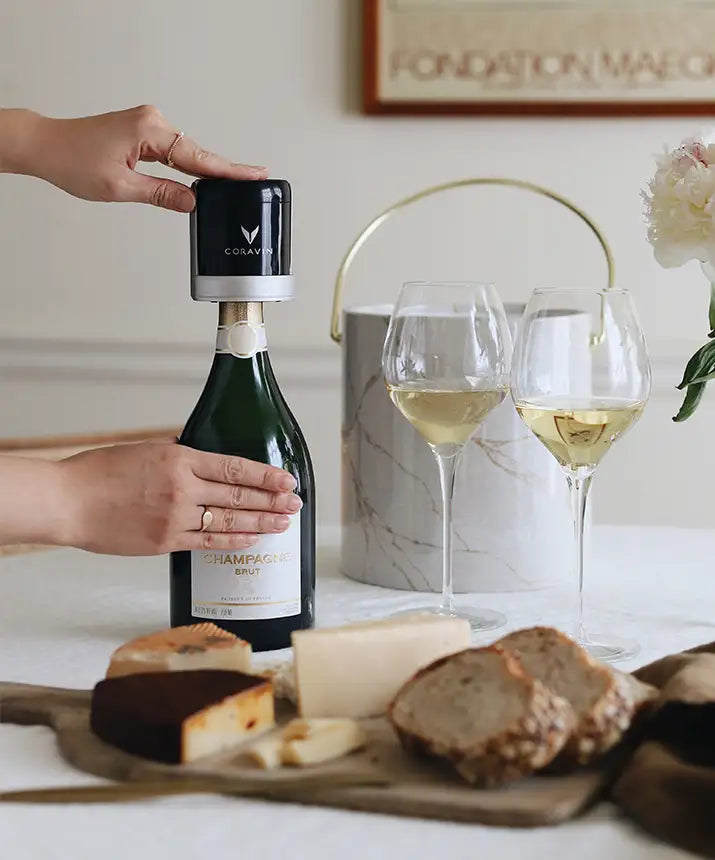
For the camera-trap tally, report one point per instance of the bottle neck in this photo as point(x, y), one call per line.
point(233, 312)
point(241, 329)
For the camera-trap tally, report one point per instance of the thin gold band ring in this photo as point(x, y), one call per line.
point(169, 159)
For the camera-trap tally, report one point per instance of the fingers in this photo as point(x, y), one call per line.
point(189, 157)
point(225, 469)
point(156, 139)
point(232, 529)
point(164, 193)
point(243, 522)
point(236, 496)
point(215, 540)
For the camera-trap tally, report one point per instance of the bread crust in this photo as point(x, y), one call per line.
point(530, 743)
point(610, 718)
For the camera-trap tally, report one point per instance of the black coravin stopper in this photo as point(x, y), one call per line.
point(240, 241)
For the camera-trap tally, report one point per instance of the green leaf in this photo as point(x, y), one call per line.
point(705, 378)
point(712, 305)
point(690, 403)
point(700, 365)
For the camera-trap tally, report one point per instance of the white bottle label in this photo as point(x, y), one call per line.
point(262, 581)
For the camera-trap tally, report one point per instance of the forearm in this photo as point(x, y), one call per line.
point(19, 140)
point(33, 507)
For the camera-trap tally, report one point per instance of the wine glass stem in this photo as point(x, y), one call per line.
point(579, 485)
point(447, 472)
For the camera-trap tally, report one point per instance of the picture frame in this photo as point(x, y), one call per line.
point(539, 57)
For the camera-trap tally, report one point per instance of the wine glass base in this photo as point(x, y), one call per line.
point(479, 619)
point(609, 649)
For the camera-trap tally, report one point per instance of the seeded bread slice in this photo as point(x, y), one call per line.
point(604, 701)
point(481, 712)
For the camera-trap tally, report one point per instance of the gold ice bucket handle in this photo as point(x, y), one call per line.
point(379, 220)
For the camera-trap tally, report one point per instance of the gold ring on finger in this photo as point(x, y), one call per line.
point(206, 519)
point(169, 159)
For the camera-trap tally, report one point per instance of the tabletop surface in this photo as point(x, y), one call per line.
point(62, 612)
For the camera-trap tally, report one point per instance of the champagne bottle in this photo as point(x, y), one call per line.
point(264, 592)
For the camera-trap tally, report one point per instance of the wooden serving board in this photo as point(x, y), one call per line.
point(412, 787)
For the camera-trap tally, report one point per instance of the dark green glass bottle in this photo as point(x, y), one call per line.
point(265, 592)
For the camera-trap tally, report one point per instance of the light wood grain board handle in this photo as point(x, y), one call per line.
point(290, 789)
point(29, 705)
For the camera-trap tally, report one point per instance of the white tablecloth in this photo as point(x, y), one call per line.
point(62, 612)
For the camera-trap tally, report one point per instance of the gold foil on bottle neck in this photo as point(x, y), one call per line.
point(233, 312)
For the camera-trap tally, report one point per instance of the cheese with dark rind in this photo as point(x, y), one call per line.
point(178, 717)
point(196, 646)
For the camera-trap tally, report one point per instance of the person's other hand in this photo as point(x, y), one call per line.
point(149, 498)
point(95, 158)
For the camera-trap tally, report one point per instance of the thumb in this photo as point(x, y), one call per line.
point(164, 193)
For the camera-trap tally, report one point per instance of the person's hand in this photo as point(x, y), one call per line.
point(149, 498)
point(95, 158)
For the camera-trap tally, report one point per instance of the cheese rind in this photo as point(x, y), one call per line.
point(181, 649)
point(356, 670)
point(182, 716)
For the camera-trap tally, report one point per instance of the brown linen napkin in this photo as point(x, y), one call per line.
point(668, 786)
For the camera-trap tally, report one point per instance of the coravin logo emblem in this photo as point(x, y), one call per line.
point(249, 237)
point(243, 251)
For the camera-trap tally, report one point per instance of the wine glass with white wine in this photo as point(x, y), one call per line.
point(580, 379)
point(446, 365)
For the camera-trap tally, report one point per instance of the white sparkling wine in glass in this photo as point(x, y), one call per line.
point(581, 379)
point(444, 416)
point(446, 363)
point(579, 434)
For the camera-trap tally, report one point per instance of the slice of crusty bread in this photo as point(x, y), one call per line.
point(479, 710)
point(604, 701)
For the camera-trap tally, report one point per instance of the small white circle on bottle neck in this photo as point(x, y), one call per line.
point(243, 339)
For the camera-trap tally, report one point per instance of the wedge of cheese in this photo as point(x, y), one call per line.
point(304, 742)
point(266, 753)
point(179, 717)
point(319, 740)
point(355, 671)
point(198, 646)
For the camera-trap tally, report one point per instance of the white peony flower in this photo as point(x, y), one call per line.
point(680, 205)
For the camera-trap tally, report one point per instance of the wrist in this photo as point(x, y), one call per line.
point(21, 132)
point(58, 519)
point(67, 524)
point(34, 506)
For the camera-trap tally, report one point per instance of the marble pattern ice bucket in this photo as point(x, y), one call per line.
point(512, 521)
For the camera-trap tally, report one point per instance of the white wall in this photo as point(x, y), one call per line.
point(97, 330)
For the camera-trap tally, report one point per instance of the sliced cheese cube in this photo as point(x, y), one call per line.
point(300, 728)
point(267, 752)
point(197, 646)
point(355, 671)
point(305, 742)
point(315, 741)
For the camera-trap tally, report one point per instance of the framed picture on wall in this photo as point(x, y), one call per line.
point(557, 57)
